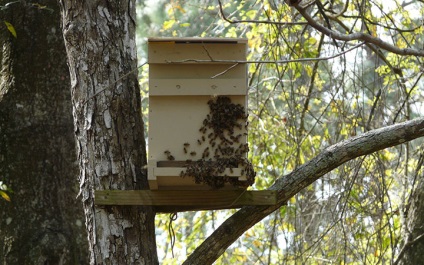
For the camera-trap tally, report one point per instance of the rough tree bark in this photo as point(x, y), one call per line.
point(100, 43)
point(43, 224)
point(413, 231)
point(288, 185)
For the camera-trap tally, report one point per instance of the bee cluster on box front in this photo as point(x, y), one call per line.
point(221, 132)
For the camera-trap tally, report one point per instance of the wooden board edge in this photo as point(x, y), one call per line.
point(212, 199)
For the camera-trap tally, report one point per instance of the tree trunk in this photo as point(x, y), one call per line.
point(43, 224)
point(413, 230)
point(100, 43)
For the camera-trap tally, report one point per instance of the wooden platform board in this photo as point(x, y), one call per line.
point(180, 200)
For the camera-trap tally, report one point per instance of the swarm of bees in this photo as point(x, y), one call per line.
point(224, 149)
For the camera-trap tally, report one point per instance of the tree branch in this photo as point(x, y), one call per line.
point(290, 184)
point(357, 36)
point(316, 59)
point(335, 16)
point(221, 11)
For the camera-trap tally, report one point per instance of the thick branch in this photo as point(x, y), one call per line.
point(287, 186)
point(357, 36)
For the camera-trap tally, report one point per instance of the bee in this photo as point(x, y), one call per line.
point(246, 147)
point(236, 138)
point(210, 135)
point(199, 142)
point(166, 152)
point(185, 150)
point(201, 129)
point(193, 153)
point(213, 144)
point(205, 153)
point(203, 138)
point(171, 158)
point(186, 144)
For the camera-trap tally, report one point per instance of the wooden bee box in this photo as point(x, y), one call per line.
point(186, 77)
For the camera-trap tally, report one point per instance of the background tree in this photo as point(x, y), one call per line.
point(43, 224)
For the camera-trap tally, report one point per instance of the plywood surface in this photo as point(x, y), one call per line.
point(197, 87)
point(175, 120)
point(196, 71)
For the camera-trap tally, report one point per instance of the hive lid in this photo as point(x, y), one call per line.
point(197, 40)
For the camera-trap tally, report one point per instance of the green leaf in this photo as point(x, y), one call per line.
point(11, 29)
point(4, 195)
point(168, 24)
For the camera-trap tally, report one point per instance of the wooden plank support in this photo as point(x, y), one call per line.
point(186, 199)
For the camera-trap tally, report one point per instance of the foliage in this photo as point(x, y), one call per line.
point(354, 214)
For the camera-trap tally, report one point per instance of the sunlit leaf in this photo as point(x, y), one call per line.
point(11, 29)
point(4, 195)
point(168, 24)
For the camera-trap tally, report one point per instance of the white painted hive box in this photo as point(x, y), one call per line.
point(184, 75)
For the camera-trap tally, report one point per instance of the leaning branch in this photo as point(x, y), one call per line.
point(358, 36)
point(287, 186)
